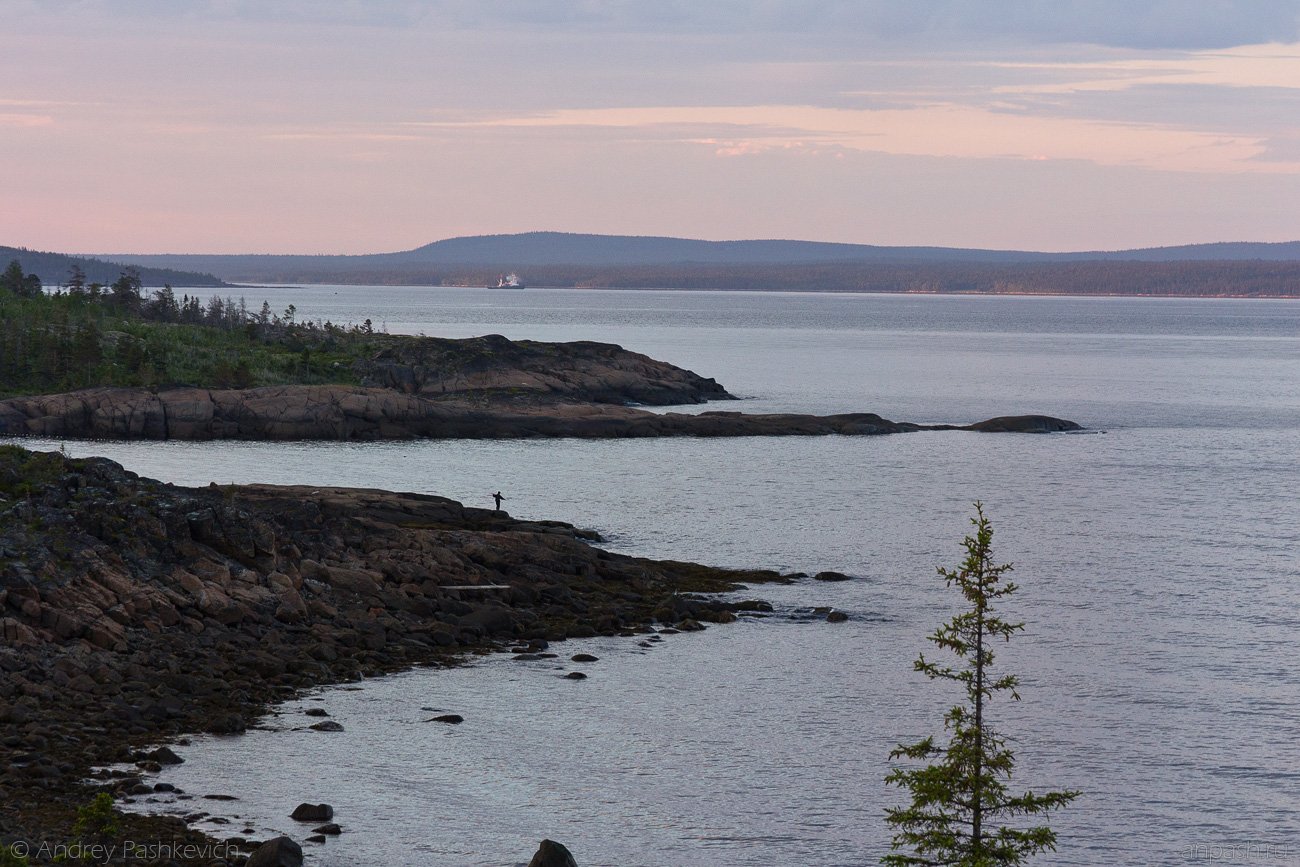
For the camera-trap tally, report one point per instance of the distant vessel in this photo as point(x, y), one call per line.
point(508, 281)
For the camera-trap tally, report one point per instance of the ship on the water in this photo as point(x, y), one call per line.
point(508, 281)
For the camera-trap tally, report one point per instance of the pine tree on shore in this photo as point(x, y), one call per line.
point(959, 799)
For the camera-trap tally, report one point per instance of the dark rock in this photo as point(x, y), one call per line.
point(279, 852)
point(331, 829)
point(552, 854)
point(316, 838)
point(575, 675)
point(312, 813)
point(830, 576)
point(316, 711)
point(450, 718)
point(584, 657)
point(836, 617)
point(164, 756)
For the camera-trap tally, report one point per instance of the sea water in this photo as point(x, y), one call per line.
point(1157, 558)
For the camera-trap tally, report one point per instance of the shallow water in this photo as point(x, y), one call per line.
point(1157, 562)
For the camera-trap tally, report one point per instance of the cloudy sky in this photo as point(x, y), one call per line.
point(372, 125)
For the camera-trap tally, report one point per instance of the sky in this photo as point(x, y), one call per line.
point(356, 126)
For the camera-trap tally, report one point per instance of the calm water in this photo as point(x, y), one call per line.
point(1158, 565)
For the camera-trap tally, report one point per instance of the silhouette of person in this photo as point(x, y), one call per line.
point(497, 496)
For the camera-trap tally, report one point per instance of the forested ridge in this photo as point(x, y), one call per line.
point(53, 268)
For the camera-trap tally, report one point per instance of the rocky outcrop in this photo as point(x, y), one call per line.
point(1024, 424)
point(327, 412)
point(522, 371)
point(133, 611)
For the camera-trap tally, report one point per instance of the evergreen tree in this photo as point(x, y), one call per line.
point(21, 285)
point(125, 291)
point(12, 278)
point(76, 282)
point(959, 798)
point(163, 305)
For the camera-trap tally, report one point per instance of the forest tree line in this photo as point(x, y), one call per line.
point(84, 334)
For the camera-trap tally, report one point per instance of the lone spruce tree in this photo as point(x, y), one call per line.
point(959, 799)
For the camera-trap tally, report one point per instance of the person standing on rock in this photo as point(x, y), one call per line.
point(497, 496)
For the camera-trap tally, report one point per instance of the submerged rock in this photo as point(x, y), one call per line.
point(328, 726)
point(449, 718)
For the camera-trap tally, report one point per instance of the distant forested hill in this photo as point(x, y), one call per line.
point(562, 248)
point(562, 259)
point(53, 269)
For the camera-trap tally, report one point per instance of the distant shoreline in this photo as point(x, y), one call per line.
point(968, 294)
point(560, 259)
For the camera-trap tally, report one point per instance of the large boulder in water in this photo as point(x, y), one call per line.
point(312, 813)
point(552, 854)
point(280, 852)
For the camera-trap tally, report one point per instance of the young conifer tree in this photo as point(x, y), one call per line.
point(961, 797)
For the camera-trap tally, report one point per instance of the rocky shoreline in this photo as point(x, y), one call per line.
point(479, 388)
point(134, 611)
point(330, 412)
